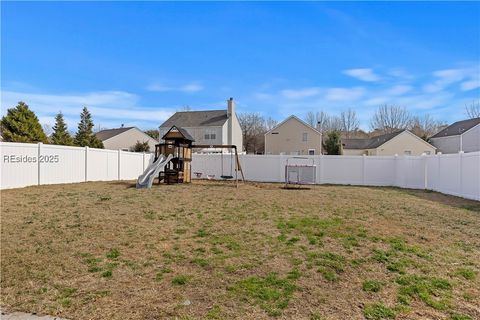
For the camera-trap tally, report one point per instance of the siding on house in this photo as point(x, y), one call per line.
point(288, 138)
point(459, 136)
point(126, 140)
point(401, 143)
point(449, 144)
point(237, 134)
point(471, 139)
point(202, 124)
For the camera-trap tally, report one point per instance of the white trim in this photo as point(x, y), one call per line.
point(478, 124)
point(296, 118)
point(452, 135)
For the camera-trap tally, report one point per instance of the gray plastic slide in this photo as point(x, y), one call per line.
point(145, 180)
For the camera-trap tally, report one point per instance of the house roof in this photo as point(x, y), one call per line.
point(370, 143)
point(457, 128)
point(187, 119)
point(109, 133)
point(184, 132)
point(295, 118)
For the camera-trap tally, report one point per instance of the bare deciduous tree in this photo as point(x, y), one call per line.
point(349, 122)
point(473, 110)
point(311, 119)
point(425, 126)
point(390, 118)
point(253, 128)
point(333, 123)
point(322, 121)
point(270, 123)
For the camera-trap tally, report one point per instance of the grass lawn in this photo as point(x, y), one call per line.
point(209, 251)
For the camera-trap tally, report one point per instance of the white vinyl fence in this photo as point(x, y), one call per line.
point(455, 174)
point(25, 164)
point(34, 164)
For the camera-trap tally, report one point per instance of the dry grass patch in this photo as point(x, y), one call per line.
point(209, 251)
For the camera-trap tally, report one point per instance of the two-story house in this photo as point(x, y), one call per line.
point(209, 127)
point(293, 137)
point(459, 136)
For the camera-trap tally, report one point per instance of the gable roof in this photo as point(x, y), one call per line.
point(184, 132)
point(187, 119)
point(295, 118)
point(370, 143)
point(109, 133)
point(457, 128)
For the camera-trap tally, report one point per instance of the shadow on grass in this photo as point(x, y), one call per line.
point(449, 200)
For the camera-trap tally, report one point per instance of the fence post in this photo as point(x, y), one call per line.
point(143, 162)
point(86, 163)
point(425, 172)
point(396, 184)
point(460, 166)
point(364, 168)
point(321, 170)
point(119, 157)
point(439, 154)
point(39, 166)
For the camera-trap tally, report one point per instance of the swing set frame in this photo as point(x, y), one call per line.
point(238, 167)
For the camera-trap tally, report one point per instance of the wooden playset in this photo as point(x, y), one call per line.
point(179, 143)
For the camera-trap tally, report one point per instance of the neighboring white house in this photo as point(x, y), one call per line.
point(293, 137)
point(210, 126)
point(125, 138)
point(459, 136)
point(402, 142)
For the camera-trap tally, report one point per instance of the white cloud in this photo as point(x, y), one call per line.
point(469, 78)
point(400, 73)
point(110, 108)
point(344, 94)
point(300, 93)
point(399, 89)
point(470, 84)
point(187, 88)
point(364, 74)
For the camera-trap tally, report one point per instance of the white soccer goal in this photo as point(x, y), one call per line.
point(300, 173)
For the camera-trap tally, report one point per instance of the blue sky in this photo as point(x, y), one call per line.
point(137, 63)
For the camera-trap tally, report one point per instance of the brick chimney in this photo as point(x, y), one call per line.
point(230, 115)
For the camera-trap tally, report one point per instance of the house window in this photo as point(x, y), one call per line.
point(311, 152)
point(210, 134)
point(305, 136)
point(407, 152)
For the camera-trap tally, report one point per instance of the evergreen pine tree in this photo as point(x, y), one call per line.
point(60, 133)
point(21, 125)
point(85, 135)
point(332, 144)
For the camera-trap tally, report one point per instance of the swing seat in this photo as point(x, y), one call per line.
point(198, 174)
point(226, 177)
point(210, 176)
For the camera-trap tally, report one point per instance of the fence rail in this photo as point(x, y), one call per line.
point(36, 164)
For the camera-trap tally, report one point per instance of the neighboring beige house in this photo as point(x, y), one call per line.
point(459, 136)
point(210, 126)
point(293, 137)
point(125, 138)
point(401, 143)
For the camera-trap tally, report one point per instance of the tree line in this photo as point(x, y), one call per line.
point(20, 124)
point(386, 119)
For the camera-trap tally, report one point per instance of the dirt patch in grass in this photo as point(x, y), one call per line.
point(208, 250)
